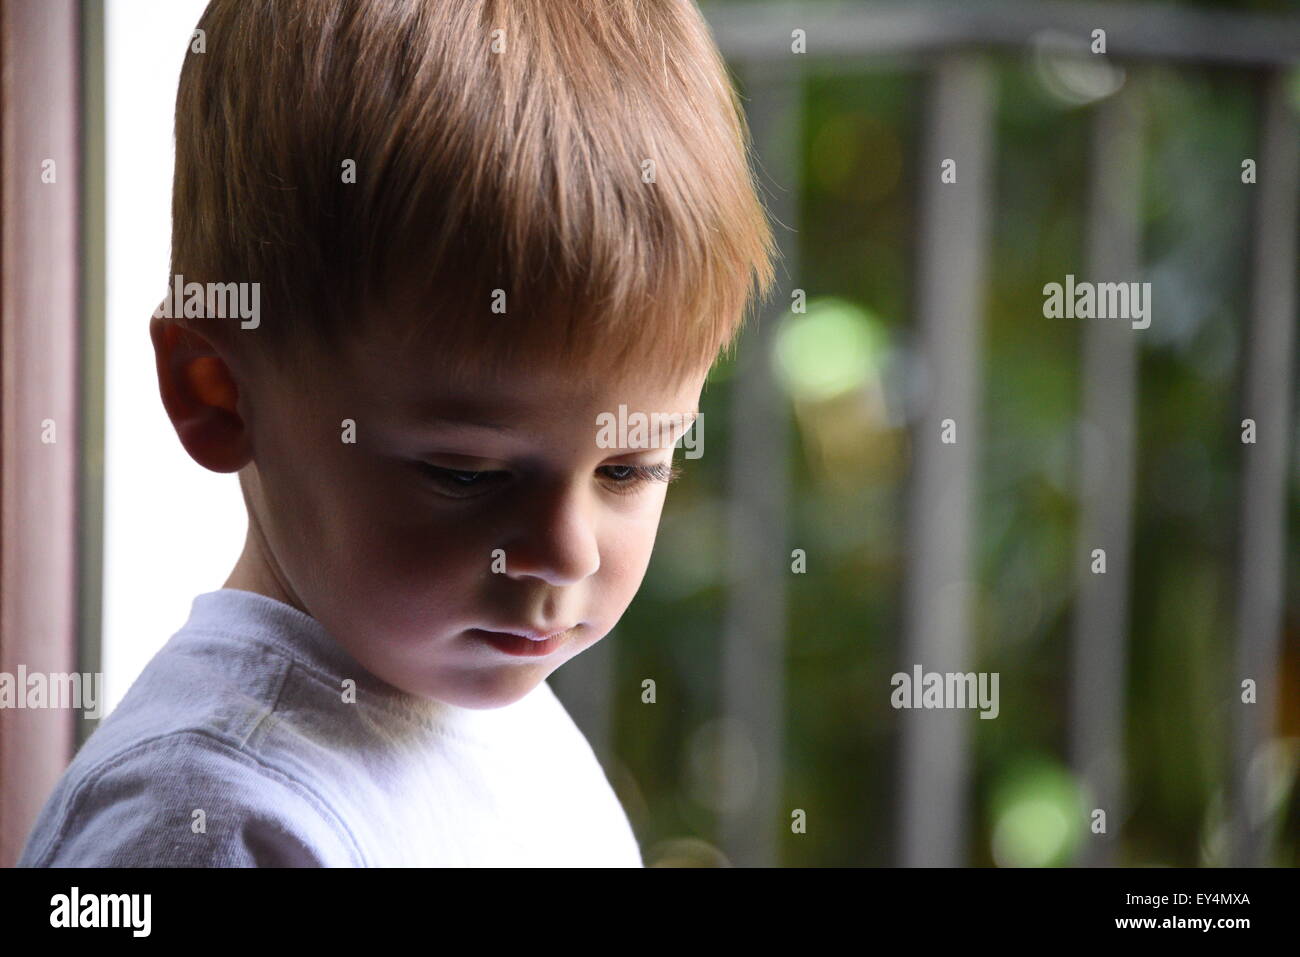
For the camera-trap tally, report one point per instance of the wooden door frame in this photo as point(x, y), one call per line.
point(40, 295)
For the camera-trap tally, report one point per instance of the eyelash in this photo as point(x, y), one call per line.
point(637, 477)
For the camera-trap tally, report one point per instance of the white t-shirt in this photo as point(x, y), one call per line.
point(235, 748)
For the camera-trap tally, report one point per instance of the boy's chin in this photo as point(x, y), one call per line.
point(488, 691)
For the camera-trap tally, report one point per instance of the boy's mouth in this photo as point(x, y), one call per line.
point(523, 645)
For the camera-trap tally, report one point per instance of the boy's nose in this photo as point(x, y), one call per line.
point(558, 545)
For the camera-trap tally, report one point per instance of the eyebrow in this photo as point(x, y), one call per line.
point(443, 422)
point(459, 412)
point(502, 427)
point(430, 426)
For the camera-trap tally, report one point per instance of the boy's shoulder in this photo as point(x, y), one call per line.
point(178, 775)
point(185, 799)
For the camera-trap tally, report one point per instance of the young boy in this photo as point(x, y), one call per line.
point(476, 228)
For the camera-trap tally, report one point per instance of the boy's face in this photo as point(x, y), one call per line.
point(407, 557)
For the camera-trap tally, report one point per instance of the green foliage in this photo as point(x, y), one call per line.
point(848, 467)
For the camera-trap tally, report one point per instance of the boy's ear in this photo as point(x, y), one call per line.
point(201, 398)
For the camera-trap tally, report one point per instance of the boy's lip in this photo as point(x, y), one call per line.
point(532, 634)
point(524, 646)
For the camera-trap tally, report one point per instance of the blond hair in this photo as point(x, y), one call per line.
point(590, 161)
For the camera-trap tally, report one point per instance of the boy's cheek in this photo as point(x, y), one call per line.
point(405, 563)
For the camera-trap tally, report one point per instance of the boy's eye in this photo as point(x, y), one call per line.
point(462, 483)
point(627, 478)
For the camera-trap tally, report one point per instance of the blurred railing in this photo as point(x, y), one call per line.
point(952, 43)
point(948, 41)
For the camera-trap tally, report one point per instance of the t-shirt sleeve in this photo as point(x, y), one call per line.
point(189, 800)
